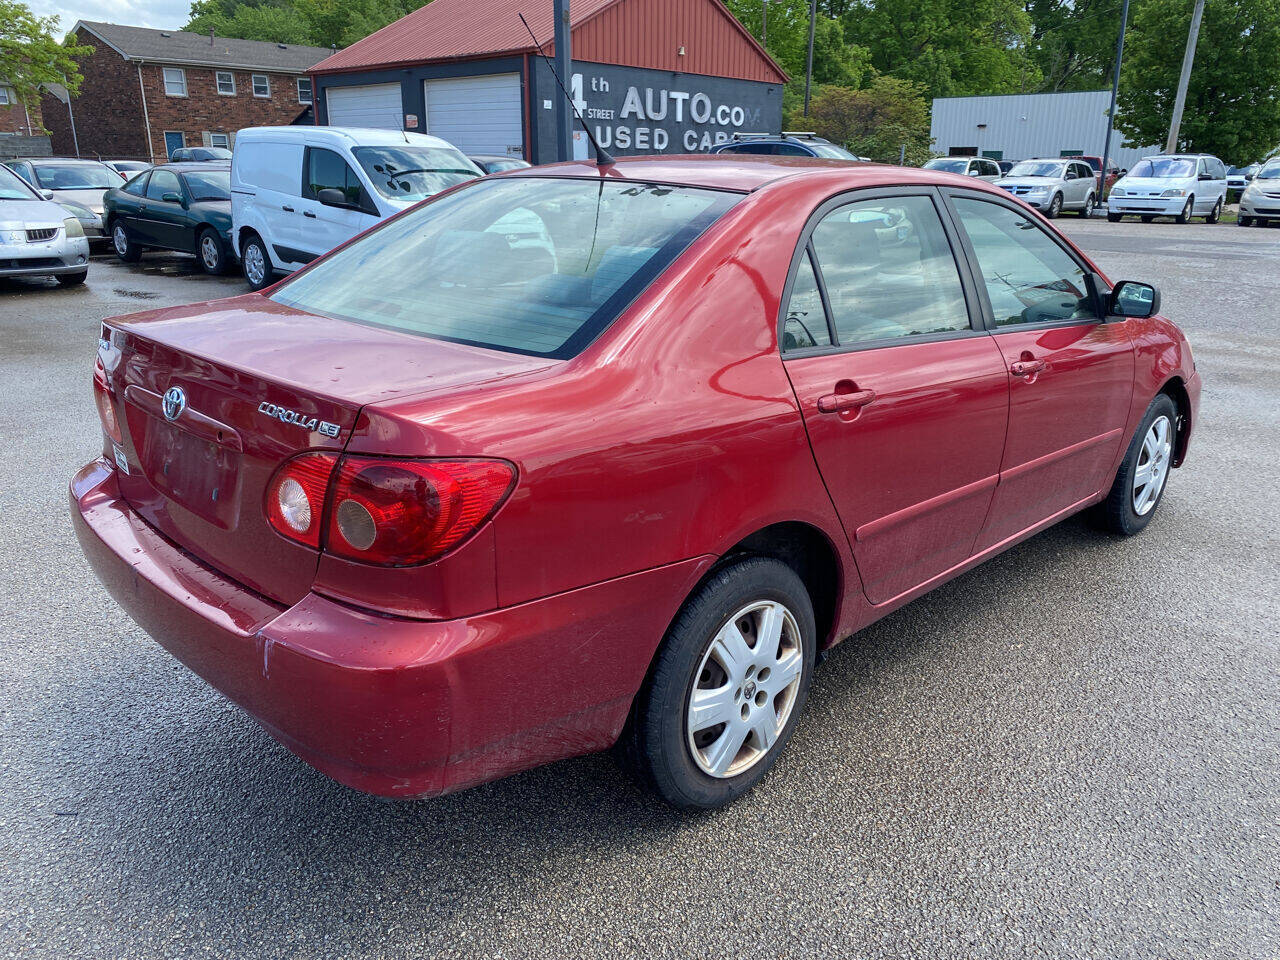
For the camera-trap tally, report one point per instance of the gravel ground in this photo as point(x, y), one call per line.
point(1072, 751)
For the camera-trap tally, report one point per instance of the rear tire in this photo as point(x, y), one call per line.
point(72, 279)
point(256, 263)
point(1132, 502)
point(721, 641)
point(123, 244)
point(1087, 210)
point(1216, 213)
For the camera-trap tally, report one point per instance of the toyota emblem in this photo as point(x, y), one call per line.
point(175, 401)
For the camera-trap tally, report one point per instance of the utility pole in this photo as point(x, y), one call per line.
point(808, 70)
point(1188, 57)
point(564, 125)
point(1111, 114)
point(764, 23)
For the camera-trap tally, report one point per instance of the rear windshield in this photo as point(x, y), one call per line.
point(414, 173)
point(529, 265)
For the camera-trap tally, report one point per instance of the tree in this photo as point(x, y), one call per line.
point(1233, 98)
point(30, 56)
point(318, 23)
point(1073, 42)
point(877, 121)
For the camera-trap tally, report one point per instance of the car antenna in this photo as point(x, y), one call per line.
point(603, 157)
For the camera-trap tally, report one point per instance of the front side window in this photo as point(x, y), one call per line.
point(226, 83)
point(413, 173)
point(530, 265)
point(175, 82)
point(889, 270)
point(162, 182)
point(304, 89)
point(1029, 278)
point(261, 85)
point(327, 170)
point(805, 322)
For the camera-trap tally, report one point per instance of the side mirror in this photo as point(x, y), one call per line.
point(173, 198)
point(333, 197)
point(1124, 171)
point(1205, 176)
point(47, 194)
point(975, 173)
point(1130, 298)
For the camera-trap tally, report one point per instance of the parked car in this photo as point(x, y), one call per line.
point(1181, 186)
point(298, 192)
point(435, 512)
point(1005, 166)
point(1114, 172)
point(979, 168)
point(789, 144)
point(178, 206)
point(1239, 177)
point(37, 237)
point(199, 154)
point(127, 168)
point(496, 163)
point(72, 181)
point(1260, 202)
point(1052, 186)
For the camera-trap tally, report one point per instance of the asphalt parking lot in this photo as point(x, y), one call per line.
point(1072, 751)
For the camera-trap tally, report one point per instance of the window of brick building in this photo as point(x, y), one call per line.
point(261, 85)
point(304, 89)
point(175, 82)
point(226, 83)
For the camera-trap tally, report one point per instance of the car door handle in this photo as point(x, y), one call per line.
point(1025, 368)
point(308, 214)
point(287, 209)
point(839, 402)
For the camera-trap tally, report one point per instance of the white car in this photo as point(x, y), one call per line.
point(298, 192)
point(1181, 186)
point(980, 168)
point(1260, 202)
point(1053, 185)
point(37, 236)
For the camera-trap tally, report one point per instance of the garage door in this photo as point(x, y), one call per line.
point(374, 105)
point(477, 114)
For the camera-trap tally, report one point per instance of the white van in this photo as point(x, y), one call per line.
point(298, 192)
point(1182, 186)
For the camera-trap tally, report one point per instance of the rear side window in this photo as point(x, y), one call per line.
point(805, 322)
point(138, 185)
point(532, 265)
point(889, 270)
point(1029, 278)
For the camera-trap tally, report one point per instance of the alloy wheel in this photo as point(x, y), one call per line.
point(1088, 207)
point(209, 252)
point(120, 240)
point(1153, 465)
point(744, 689)
point(255, 267)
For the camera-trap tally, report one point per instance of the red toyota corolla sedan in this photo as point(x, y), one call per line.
point(582, 456)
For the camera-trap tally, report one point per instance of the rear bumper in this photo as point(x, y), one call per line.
point(392, 706)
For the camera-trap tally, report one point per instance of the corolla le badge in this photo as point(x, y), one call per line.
point(285, 415)
point(175, 401)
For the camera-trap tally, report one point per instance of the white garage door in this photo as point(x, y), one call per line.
point(375, 105)
point(477, 114)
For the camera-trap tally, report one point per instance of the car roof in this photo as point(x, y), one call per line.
point(88, 160)
point(194, 166)
point(347, 136)
point(741, 172)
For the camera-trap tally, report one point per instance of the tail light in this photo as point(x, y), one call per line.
point(383, 511)
point(106, 403)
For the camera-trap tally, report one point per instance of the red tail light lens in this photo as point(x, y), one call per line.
point(404, 512)
point(106, 404)
point(296, 496)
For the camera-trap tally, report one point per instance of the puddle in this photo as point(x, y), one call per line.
point(134, 294)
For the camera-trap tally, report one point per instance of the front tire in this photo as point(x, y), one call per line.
point(1185, 215)
point(1216, 213)
point(257, 263)
point(727, 686)
point(211, 252)
point(1244, 221)
point(1055, 207)
point(123, 244)
point(1140, 482)
point(1114, 217)
point(72, 279)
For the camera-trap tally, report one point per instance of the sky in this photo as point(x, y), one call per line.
point(163, 14)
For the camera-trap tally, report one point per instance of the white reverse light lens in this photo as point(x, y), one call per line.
point(295, 508)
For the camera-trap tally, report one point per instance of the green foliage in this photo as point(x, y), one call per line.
point(31, 57)
point(318, 23)
point(1073, 42)
point(876, 121)
point(1233, 99)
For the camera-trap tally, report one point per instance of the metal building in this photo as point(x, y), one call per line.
point(1021, 125)
point(650, 76)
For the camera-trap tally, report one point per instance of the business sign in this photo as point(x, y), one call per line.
point(635, 111)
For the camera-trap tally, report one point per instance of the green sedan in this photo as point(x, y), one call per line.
point(175, 206)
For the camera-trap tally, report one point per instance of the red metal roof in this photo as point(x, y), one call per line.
point(639, 33)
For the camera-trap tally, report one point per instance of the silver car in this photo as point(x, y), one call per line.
point(1054, 185)
point(37, 237)
point(980, 168)
point(1260, 202)
point(76, 183)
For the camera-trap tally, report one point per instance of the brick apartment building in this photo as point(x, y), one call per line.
point(15, 119)
point(147, 92)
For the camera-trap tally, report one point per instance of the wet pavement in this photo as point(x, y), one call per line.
point(1071, 751)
